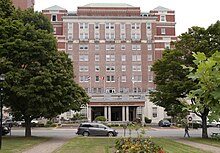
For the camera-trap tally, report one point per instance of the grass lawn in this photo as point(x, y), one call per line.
point(11, 144)
point(208, 141)
point(173, 147)
point(106, 145)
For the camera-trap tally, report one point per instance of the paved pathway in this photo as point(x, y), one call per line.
point(48, 146)
point(205, 147)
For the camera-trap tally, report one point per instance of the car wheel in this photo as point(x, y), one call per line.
point(85, 134)
point(218, 125)
point(110, 134)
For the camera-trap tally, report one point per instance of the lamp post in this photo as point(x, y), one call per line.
point(2, 78)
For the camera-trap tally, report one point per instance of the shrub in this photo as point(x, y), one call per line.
point(147, 120)
point(100, 118)
point(134, 145)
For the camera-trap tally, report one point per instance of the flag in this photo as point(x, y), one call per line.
point(88, 78)
point(102, 78)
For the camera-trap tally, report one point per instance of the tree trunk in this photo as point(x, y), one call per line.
point(27, 126)
point(204, 123)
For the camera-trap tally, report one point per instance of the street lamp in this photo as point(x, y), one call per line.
point(2, 78)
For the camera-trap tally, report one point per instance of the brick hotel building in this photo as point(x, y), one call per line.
point(23, 4)
point(112, 47)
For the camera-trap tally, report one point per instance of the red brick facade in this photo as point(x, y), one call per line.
point(113, 49)
point(23, 4)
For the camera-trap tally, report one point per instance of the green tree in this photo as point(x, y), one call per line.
point(6, 8)
point(206, 98)
point(39, 79)
point(171, 82)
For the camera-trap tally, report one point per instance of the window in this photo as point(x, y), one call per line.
point(109, 26)
point(135, 26)
point(70, 37)
point(54, 30)
point(123, 78)
point(148, 26)
point(167, 45)
point(123, 67)
point(110, 47)
point(109, 36)
point(122, 36)
point(150, 77)
point(54, 17)
point(122, 26)
point(136, 57)
point(83, 36)
point(96, 47)
point(149, 46)
point(110, 78)
point(70, 46)
point(96, 36)
point(97, 68)
point(136, 67)
point(149, 68)
point(97, 78)
point(83, 68)
point(110, 68)
point(123, 47)
point(136, 47)
point(135, 36)
point(162, 18)
point(83, 25)
point(70, 26)
point(123, 57)
point(163, 31)
point(84, 78)
point(154, 112)
point(70, 56)
point(149, 57)
point(83, 47)
point(136, 78)
point(96, 25)
point(96, 57)
point(110, 90)
point(110, 57)
point(83, 58)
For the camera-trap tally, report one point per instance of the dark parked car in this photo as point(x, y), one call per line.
point(164, 123)
point(5, 130)
point(95, 129)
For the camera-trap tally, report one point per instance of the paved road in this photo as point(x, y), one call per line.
point(153, 132)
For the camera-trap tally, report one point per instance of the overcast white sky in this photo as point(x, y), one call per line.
point(188, 12)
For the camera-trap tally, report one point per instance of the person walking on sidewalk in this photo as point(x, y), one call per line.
point(186, 131)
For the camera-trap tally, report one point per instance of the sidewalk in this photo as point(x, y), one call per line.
point(201, 146)
point(48, 146)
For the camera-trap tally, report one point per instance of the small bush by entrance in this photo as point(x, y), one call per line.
point(100, 118)
point(147, 120)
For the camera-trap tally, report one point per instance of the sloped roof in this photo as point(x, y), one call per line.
point(108, 5)
point(55, 7)
point(161, 8)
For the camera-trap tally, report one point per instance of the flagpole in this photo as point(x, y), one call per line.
point(90, 85)
point(119, 84)
point(104, 84)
